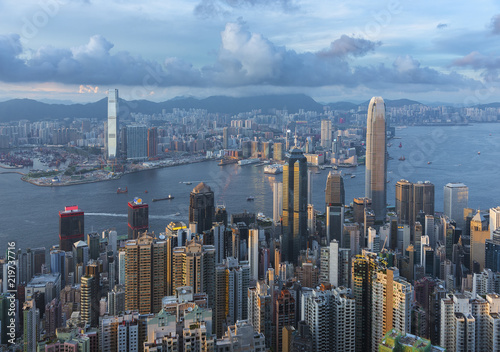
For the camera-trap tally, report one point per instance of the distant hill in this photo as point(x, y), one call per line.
point(491, 105)
point(343, 105)
point(393, 103)
point(19, 109)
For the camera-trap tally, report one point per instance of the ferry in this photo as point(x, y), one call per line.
point(273, 169)
point(120, 190)
point(352, 176)
point(249, 199)
point(400, 145)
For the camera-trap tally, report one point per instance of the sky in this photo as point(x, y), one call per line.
point(332, 50)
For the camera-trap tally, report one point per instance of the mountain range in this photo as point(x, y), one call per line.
point(27, 109)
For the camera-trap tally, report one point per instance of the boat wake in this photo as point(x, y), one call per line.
point(166, 217)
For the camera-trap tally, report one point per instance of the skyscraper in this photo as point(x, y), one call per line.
point(138, 218)
point(201, 208)
point(152, 142)
point(71, 227)
point(326, 134)
point(294, 205)
point(334, 193)
point(494, 220)
point(376, 164)
point(112, 142)
point(423, 199)
point(404, 201)
point(137, 142)
point(455, 199)
point(277, 201)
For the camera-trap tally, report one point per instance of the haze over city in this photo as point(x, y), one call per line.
point(63, 51)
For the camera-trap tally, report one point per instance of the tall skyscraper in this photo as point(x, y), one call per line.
point(294, 205)
point(201, 208)
point(138, 218)
point(112, 140)
point(71, 227)
point(253, 252)
point(137, 142)
point(335, 200)
point(152, 142)
point(277, 201)
point(326, 134)
point(456, 196)
point(423, 199)
point(225, 138)
point(376, 163)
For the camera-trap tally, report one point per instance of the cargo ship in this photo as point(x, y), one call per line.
point(165, 198)
point(273, 169)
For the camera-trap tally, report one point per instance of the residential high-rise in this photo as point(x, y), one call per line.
point(71, 227)
point(391, 304)
point(363, 270)
point(456, 196)
point(260, 310)
point(31, 319)
point(326, 134)
point(376, 163)
point(194, 265)
point(253, 252)
point(152, 142)
point(231, 293)
point(278, 151)
point(294, 206)
point(137, 142)
point(284, 315)
point(145, 277)
point(113, 124)
point(201, 208)
point(225, 138)
point(138, 218)
point(277, 201)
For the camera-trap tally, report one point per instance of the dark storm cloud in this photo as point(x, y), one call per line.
point(210, 8)
point(244, 59)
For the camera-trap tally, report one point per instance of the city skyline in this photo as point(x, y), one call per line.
point(245, 48)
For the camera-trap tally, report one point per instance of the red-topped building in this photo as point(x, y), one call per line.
point(138, 218)
point(71, 227)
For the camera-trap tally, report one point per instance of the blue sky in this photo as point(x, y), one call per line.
point(75, 50)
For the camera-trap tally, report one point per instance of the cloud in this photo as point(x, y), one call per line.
point(244, 59)
point(488, 65)
point(495, 24)
point(211, 8)
point(441, 26)
point(346, 45)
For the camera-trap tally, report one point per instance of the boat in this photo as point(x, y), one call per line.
point(146, 191)
point(387, 181)
point(177, 214)
point(120, 190)
point(165, 198)
point(389, 144)
point(402, 158)
point(352, 176)
point(273, 169)
point(429, 162)
point(478, 153)
point(227, 161)
point(249, 199)
point(188, 183)
point(400, 145)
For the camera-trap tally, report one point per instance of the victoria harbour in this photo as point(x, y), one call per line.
point(441, 154)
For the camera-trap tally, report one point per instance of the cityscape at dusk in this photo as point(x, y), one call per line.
point(269, 176)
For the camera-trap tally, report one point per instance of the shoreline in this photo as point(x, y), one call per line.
point(83, 182)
